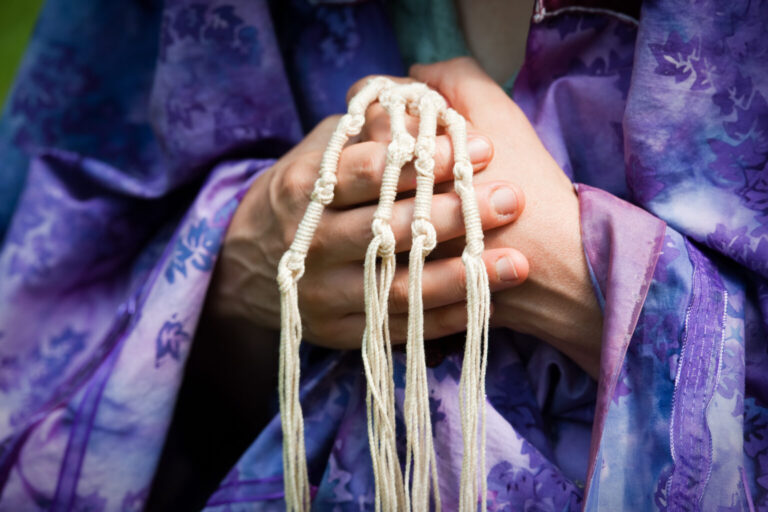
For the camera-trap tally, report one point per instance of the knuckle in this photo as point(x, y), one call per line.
point(296, 183)
point(398, 295)
point(355, 88)
point(370, 164)
point(329, 122)
point(460, 282)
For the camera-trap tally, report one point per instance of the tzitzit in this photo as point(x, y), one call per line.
point(395, 491)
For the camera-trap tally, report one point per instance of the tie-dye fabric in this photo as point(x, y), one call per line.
point(134, 129)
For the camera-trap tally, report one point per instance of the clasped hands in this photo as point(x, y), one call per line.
point(530, 215)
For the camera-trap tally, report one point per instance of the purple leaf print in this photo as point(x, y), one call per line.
point(199, 248)
point(169, 340)
point(728, 242)
point(342, 478)
point(738, 245)
point(675, 57)
point(518, 489)
point(732, 160)
point(751, 120)
point(736, 95)
point(745, 160)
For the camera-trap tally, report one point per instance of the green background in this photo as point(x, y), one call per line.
point(17, 19)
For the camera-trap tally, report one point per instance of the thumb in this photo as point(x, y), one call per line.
point(466, 86)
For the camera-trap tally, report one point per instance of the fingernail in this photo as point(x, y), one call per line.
point(504, 201)
point(505, 270)
point(479, 149)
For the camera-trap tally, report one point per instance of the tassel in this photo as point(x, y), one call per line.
point(420, 454)
point(472, 381)
point(289, 271)
point(393, 492)
point(377, 348)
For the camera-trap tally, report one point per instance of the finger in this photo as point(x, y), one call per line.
point(377, 126)
point(347, 332)
point(438, 322)
point(467, 88)
point(361, 167)
point(444, 281)
point(357, 86)
point(345, 235)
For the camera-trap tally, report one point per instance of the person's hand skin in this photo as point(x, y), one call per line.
point(331, 291)
point(557, 302)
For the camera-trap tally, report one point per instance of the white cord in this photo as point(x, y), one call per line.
point(393, 493)
point(289, 271)
point(420, 454)
point(472, 381)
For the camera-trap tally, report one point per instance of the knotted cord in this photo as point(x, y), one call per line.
point(393, 491)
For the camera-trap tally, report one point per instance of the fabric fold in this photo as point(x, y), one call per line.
point(623, 244)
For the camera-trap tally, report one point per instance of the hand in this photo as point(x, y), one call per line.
point(557, 302)
point(331, 290)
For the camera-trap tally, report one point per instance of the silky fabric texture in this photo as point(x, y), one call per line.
point(135, 146)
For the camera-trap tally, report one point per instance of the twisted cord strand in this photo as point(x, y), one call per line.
point(289, 271)
point(392, 492)
point(472, 381)
point(377, 350)
point(420, 455)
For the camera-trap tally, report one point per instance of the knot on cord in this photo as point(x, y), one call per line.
point(289, 270)
point(462, 170)
point(401, 148)
point(383, 231)
point(474, 248)
point(353, 123)
point(425, 147)
point(323, 191)
point(452, 118)
point(424, 166)
point(424, 230)
point(390, 97)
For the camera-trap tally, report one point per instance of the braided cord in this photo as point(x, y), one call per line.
point(472, 381)
point(420, 454)
point(289, 271)
point(393, 492)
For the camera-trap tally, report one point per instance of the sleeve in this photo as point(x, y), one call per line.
point(674, 391)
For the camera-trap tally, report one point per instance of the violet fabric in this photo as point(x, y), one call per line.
point(134, 129)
